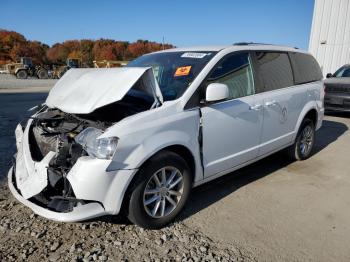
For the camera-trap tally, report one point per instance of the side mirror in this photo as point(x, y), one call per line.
point(329, 75)
point(216, 92)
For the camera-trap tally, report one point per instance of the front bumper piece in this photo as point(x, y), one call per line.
point(78, 213)
point(102, 190)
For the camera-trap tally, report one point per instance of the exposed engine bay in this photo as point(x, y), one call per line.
point(55, 131)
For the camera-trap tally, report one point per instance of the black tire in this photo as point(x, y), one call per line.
point(295, 151)
point(136, 210)
point(42, 74)
point(22, 74)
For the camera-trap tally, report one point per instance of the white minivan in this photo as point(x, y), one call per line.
point(137, 139)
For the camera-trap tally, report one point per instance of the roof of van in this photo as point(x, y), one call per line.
point(235, 47)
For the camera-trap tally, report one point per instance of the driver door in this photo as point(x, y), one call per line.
point(231, 128)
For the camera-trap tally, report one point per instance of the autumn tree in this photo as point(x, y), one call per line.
point(8, 41)
point(14, 45)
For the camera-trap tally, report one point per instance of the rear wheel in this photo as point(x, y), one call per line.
point(42, 74)
point(160, 191)
point(304, 142)
point(22, 74)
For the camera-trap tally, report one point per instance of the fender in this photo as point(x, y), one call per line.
point(18, 69)
point(307, 108)
point(142, 136)
point(145, 151)
point(155, 143)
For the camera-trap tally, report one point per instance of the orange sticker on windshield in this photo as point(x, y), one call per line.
point(183, 71)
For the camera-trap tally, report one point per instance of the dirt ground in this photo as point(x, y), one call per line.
point(285, 211)
point(273, 210)
point(9, 82)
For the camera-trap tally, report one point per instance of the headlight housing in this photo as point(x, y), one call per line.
point(103, 148)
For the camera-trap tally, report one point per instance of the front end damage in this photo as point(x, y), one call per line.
point(63, 178)
point(54, 175)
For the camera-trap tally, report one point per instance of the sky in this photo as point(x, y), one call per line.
point(181, 23)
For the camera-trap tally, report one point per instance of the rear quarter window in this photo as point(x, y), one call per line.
point(275, 70)
point(306, 68)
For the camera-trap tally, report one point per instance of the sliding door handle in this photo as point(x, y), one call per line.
point(271, 103)
point(255, 107)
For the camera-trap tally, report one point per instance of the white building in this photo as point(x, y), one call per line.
point(330, 34)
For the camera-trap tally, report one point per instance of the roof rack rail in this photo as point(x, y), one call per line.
point(249, 43)
point(253, 43)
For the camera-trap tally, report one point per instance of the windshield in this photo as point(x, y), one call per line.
point(174, 71)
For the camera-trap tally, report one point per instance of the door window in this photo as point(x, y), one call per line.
point(236, 72)
point(275, 70)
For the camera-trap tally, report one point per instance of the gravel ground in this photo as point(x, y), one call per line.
point(9, 82)
point(27, 237)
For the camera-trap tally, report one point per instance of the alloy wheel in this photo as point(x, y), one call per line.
point(163, 192)
point(306, 141)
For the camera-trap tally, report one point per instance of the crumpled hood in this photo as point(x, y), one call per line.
point(81, 91)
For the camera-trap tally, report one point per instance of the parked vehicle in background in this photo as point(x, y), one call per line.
point(4, 70)
point(337, 88)
point(26, 68)
point(59, 71)
point(109, 63)
point(137, 139)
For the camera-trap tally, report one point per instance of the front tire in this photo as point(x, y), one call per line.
point(22, 74)
point(160, 191)
point(304, 142)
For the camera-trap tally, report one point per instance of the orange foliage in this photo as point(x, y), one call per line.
point(14, 45)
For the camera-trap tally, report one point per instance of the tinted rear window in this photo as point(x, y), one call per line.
point(275, 70)
point(306, 68)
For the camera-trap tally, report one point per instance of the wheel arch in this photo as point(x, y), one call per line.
point(310, 112)
point(19, 69)
point(179, 149)
point(312, 115)
point(185, 153)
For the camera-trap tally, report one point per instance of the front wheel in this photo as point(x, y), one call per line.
point(160, 190)
point(22, 74)
point(304, 142)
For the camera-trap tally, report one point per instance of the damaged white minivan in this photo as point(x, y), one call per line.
point(137, 139)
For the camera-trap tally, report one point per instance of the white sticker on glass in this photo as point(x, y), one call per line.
point(194, 55)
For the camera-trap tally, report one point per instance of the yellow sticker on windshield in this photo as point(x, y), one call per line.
point(183, 71)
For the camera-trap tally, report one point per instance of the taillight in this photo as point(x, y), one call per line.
point(323, 93)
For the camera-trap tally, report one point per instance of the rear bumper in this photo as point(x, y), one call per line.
point(320, 117)
point(337, 102)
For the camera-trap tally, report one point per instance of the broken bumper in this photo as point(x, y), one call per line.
point(102, 190)
point(79, 213)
